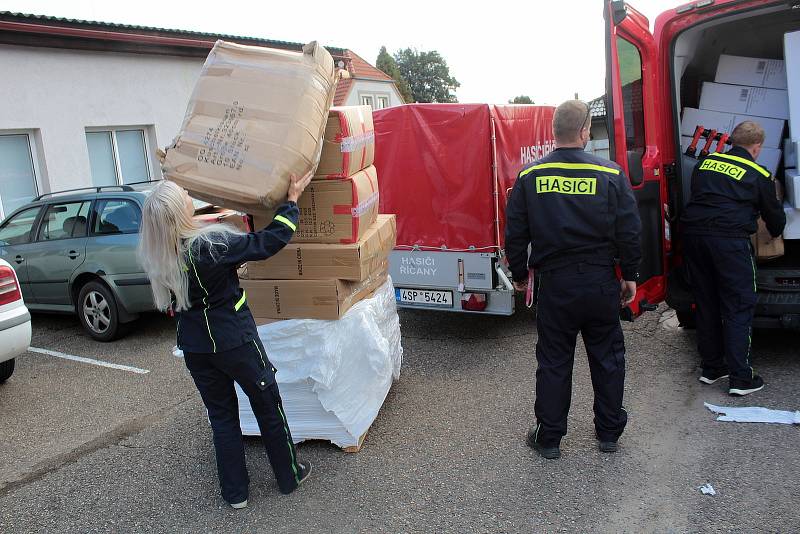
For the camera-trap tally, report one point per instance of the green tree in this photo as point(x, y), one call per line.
point(387, 64)
point(428, 75)
point(523, 99)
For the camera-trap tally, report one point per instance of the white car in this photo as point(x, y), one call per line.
point(15, 321)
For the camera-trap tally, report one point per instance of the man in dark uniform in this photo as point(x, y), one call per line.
point(729, 191)
point(578, 213)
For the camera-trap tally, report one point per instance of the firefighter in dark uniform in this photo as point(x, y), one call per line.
point(193, 270)
point(579, 216)
point(729, 191)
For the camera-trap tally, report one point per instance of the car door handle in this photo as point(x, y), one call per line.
point(73, 254)
point(19, 259)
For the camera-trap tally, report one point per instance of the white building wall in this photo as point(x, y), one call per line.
point(59, 93)
point(373, 88)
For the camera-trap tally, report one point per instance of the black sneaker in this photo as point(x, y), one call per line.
point(607, 446)
point(740, 388)
point(710, 376)
point(551, 453)
point(305, 471)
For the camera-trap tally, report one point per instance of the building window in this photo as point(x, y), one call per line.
point(118, 156)
point(367, 100)
point(17, 172)
point(383, 102)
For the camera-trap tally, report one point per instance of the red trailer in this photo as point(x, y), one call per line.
point(446, 170)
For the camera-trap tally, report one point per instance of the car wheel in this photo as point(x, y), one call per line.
point(687, 320)
point(97, 312)
point(6, 370)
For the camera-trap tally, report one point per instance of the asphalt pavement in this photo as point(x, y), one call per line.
point(97, 449)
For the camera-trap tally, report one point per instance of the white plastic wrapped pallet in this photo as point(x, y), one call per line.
point(333, 375)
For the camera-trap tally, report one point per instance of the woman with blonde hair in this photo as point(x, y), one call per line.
point(192, 271)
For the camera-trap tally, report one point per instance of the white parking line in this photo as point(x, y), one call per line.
point(89, 360)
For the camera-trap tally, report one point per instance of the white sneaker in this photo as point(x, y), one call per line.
point(239, 505)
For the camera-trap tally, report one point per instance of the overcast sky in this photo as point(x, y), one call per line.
point(497, 49)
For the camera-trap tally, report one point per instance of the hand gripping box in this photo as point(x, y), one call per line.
point(314, 261)
point(349, 143)
point(308, 299)
point(256, 115)
point(334, 211)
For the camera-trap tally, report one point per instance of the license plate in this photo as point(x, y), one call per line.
point(425, 297)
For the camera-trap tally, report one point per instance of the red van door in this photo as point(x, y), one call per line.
point(631, 83)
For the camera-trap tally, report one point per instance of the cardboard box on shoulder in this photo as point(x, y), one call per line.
point(309, 299)
point(726, 122)
point(740, 99)
point(334, 211)
point(349, 142)
point(767, 247)
point(752, 71)
point(314, 261)
point(256, 115)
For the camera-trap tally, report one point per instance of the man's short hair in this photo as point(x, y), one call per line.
point(570, 118)
point(748, 133)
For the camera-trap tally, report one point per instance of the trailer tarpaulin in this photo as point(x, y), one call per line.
point(523, 134)
point(434, 166)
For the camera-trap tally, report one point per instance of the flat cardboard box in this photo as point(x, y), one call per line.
point(256, 115)
point(793, 188)
point(318, 262)
point(769, 158)
point(308, 299)
point(334, 211)
point(792, 230)
point(791, 53)
point(752, 71)
point(726, 122)
point(225, 216)
point(740, 99)
point(349, 143)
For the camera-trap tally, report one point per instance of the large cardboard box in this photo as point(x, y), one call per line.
point(758, 101)
point(793, 188)
point(792, 229)
point(308, 299)
point(334, 211)
point(791, 53)
point(256, 116)
point(318, 261)
point(752, 71)
point(726, 122)
point(349, 143)
point(769, 158)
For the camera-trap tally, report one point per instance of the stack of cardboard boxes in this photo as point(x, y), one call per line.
point(340, 251)
point(759, 90)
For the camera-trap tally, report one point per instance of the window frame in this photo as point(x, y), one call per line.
point(115, 150)
point(635, 172)
point(95, 214)
point(46, 208)
point(362, 100)
point(33, 153)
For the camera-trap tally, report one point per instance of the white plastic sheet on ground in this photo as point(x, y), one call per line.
point(754, 414)
point(333, 375)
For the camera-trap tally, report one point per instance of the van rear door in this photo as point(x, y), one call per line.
point(631, 83)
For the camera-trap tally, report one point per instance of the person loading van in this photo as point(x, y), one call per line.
point(729, 191)
point(192, 270)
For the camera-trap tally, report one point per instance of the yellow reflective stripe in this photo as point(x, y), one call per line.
point(205, 301)
point(241, 301)
point(747, 162)
point(570, 167)
point(287, 222)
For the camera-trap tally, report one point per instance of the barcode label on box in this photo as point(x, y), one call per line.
point(761, 66)
point(743, 95)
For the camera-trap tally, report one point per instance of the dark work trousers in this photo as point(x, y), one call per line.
point(723, 278)
point(579, 298)
point(214, 375)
